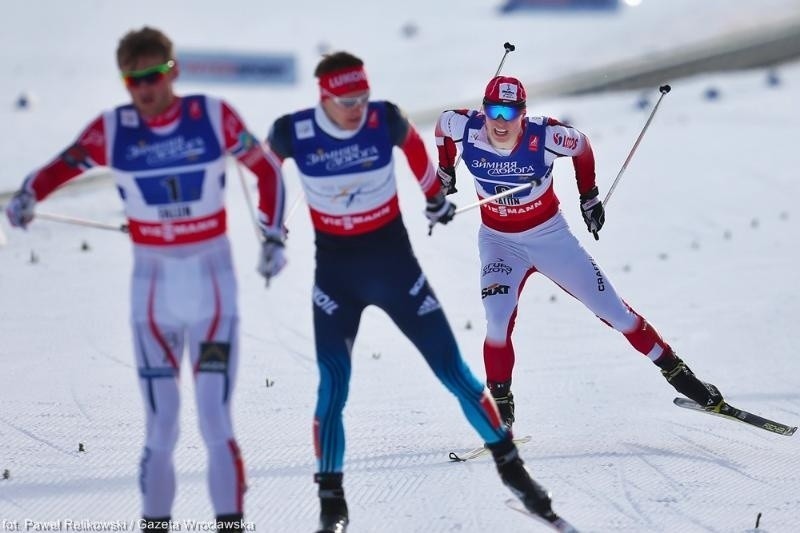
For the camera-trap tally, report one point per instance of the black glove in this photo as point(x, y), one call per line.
point(592, 210)
point(439, 210)
point(447, 177)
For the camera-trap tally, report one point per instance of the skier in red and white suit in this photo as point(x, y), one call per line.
point(525, 232)
point(167, 155)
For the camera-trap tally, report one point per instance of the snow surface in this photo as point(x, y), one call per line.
point(700, 239)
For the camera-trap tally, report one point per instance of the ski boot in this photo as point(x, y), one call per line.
point(684, 381)
point(333, 516)
point(516, 477)
point(501, 392)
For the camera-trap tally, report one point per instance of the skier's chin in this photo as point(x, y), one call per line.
point(351, 124)
point(146, 106)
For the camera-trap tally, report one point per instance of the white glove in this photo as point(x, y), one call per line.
point(271, 260)
point(20, 209)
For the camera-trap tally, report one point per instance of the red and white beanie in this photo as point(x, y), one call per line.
point(505, 90)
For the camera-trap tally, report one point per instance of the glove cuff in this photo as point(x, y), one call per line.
point(272, 235)
point(594, 192)
point(436, 201)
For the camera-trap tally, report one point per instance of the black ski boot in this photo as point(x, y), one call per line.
point(333, 516)
point(230, 523)
point(501, 392)
point(683, 379)
point(155, 525)
point(514, 475)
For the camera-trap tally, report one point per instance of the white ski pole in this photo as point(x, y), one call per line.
point(251, 207)
point(249, 201)
point(664, 89)
point(53, 217)
point(494, 197)
point(295, 204)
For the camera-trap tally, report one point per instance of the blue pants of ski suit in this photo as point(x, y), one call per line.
point(380, 269)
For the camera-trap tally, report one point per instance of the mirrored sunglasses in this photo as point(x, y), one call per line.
point(495, 111)
point(148, 76)
point(349, 102)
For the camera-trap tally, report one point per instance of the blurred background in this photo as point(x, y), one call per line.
point(59, 69)
point(699, 238)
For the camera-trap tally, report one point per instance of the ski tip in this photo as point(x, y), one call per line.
point(726, 410)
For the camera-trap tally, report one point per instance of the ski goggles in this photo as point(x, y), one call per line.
point(147, 76)
point(506, 112)
point(348, 102)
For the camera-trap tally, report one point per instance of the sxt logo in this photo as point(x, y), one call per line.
point(494, 288)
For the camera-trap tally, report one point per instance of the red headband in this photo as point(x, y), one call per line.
point(344, 81)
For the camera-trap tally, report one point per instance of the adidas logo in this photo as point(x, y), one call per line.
point(428, 306)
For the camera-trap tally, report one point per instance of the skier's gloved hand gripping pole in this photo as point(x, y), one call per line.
point(450, 173)
point(20, 213)
point(271, 259)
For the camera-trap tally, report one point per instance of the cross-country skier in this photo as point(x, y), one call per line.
point(343, 150)
point(525, 232)
point(167, 154)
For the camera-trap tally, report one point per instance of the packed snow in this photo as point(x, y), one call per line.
point(699, 239)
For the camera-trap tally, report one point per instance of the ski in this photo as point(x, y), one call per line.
point(728, 411)
point(482, 450)
point(555, 522)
